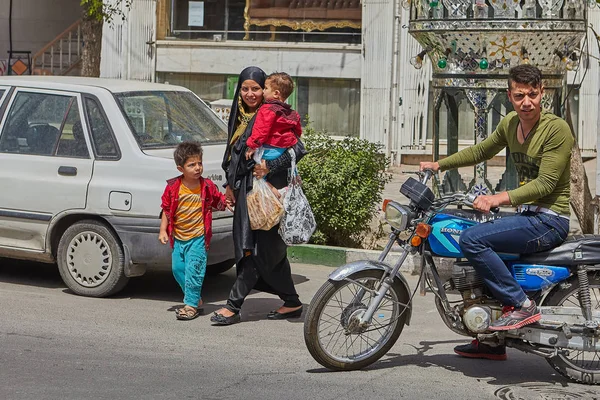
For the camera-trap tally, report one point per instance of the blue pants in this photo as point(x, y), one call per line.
point(523, 233)
point(188, 262)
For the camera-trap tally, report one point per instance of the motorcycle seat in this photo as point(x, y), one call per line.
point(575, 250)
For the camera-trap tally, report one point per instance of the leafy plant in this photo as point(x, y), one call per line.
point(103, 11)
point(343, 181)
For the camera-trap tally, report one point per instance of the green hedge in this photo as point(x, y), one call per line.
point(343, 181)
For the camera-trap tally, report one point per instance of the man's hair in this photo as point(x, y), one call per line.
point(282, 82)
point(525, 74)
point(186, 150)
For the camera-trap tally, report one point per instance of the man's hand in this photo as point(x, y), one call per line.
point(163, 237)
point(432, 165)
point(485, 203)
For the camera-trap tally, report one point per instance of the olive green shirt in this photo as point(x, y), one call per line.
point(543, 161)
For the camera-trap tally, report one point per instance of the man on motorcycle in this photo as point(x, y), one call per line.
point(540, 145)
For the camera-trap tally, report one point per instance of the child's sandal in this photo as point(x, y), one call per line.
point(188, 313)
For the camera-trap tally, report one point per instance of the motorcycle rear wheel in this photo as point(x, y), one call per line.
point(579, 366)
point(330, 332)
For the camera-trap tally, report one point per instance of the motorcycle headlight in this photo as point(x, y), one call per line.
point(396, 214)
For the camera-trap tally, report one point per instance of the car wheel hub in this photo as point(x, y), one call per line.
point(89, 259)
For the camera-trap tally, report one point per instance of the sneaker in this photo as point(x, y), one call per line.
point(517, 318)
point(475, 349)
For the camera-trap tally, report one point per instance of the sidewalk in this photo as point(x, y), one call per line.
point(336, 256)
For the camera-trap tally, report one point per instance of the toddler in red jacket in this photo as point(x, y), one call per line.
point(277, 127)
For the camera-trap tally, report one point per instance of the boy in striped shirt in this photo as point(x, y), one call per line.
point(186, 222)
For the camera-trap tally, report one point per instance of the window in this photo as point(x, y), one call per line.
point(209, 87)
point(44, 124)
point(72, 140)
point(332, 105)
point(102, 137)
point(164, 119)
point(326, 21)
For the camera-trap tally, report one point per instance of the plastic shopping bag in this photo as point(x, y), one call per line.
point(264, 208)
point(298, 223)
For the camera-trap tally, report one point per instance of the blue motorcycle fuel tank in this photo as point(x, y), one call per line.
point(445, 233)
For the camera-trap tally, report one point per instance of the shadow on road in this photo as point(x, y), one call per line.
point(30, 273)
point(156, 284)
point(519, 368)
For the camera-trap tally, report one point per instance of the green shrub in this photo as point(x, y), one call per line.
point(343, 181)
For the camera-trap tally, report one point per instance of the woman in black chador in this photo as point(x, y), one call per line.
point(261, 256)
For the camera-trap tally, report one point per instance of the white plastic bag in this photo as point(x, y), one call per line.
point(264, 208)
point(298, 223)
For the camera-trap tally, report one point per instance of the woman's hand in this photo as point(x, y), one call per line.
point(229, 196)
point(260, 170)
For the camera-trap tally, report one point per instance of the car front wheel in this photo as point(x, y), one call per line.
point(90, 260)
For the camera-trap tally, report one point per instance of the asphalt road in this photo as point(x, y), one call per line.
point(55, 345)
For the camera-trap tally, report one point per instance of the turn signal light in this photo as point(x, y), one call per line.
point(385, 203)
point(416, 241)
point(423, 230)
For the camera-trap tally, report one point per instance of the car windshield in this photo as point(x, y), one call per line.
point(166, 118)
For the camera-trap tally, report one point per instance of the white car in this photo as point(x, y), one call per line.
point(83, 165)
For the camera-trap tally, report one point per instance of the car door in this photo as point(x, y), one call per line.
point(45, 164)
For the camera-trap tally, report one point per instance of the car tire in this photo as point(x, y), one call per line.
point(219, 268)
point(90, 259)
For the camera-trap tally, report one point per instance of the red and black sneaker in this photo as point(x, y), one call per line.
point(517, 318)
point(475, 349)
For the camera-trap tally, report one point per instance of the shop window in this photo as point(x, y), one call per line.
point(325, 21)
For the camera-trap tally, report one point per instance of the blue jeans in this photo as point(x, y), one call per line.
point(188, 262)
point(527, 232)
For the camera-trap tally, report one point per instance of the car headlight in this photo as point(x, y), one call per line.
point(396, 214)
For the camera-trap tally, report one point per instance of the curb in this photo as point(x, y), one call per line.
point(331, 256)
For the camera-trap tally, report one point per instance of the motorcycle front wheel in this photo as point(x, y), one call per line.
point(332, 332)
point(579, 366)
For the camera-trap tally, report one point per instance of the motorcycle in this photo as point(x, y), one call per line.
point(359, 313)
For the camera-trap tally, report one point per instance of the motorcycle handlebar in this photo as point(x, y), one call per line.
point(427, 174)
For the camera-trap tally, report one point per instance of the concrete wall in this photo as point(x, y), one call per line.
point(35, 22)
point(306, 60)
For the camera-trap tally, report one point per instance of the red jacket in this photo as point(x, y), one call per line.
point(211, 197)
point(276, 125)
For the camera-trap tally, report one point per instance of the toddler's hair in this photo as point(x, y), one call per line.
point(282, 82)
point(186, 150)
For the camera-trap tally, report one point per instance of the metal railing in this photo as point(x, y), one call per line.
point(61, 55)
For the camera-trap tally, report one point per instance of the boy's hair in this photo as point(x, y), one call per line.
point(186, 150)
point(282, 82)
point(525, 74)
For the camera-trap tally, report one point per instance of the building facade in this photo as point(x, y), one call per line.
point(26, 26)
point(350, 59)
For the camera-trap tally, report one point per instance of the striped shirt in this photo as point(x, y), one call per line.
point(189, 222)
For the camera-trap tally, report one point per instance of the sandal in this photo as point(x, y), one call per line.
point(179, 310)
point(220, 319)
point(187, 313)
